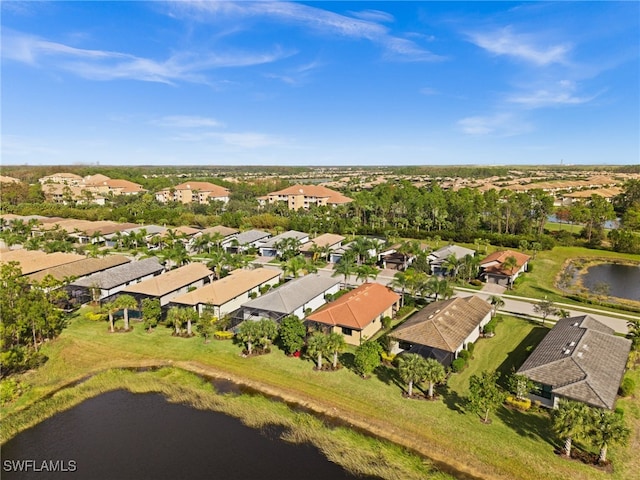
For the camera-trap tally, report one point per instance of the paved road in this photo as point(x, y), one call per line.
point(513, 304)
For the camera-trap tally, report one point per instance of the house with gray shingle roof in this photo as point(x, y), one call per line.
point(245, 240)
point(101, 286)
point(441, 330)
point(579, 359)
point(270, 247)
point(438, 257)
point(292, 298)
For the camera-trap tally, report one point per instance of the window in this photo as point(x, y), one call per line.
point(542, 390)
point(347, 331)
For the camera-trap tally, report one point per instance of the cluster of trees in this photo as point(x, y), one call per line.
point(28, 317)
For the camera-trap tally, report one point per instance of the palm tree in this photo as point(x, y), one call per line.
point(344, 267)
point(365, 271)
point(434, 373)
point(497, 303)
point(361, 247)
point(294, 266)
point(470, 266)
point(634, 333)
point(248, 332)
point(174, 316)
point(217, 261)
point(412, 369)
point(317, 346)
point(111, 308)
point(452, 265)
point(607, 429)
point(508, 266)
point(439, 288)
point(126, 302)
point(400, 281)
point(335, 345)
point(570, 421)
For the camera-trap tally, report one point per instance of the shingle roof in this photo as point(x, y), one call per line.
point(32, 261)
point(251, 236)
point(358, 308)
point(288, 234)
point(581, 359)
point(444, 325)
point(227, 288)
point(120, 275)
point(439, 255)
point(81, 268)
point(221, 229)
point(292, 295)
point(171, 281)
point(500, 257)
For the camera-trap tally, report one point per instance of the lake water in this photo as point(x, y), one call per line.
point(120, 435)
point(623, 280)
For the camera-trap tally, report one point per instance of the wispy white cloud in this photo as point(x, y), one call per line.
point(497, 125)
point(363, 26)
point(557, 94)
point(374, 16)
point(187, 121)
point(297, 75)
point(528, 47)
point(109, 65)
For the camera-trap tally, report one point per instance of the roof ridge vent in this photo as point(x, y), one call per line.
point(567, 351)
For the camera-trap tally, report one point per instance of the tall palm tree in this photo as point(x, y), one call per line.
point(608, 428)
point(218, 260)
point(175, 317)
point(434, 373)
point(344, 267)
point(497, 303)
point(317, 346)
point(470, 266)
point(400, 281)
point(294, 266)
point(361, 246)
point(335, 345)
point(452, 265)
point(364, 272)
point(111, 308)
point(412, 369)
point(569, 421)
point(126, 303)
point(508, 267)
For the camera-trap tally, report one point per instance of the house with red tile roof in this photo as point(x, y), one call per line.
point(357, 315)
point(304, 196)
point(194, 192)
point(497, 268)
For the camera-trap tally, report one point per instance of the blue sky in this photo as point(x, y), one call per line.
point(320, 83)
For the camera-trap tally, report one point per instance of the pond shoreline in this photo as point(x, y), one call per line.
point(79, 390)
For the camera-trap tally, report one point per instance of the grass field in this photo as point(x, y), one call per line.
point(515, 445)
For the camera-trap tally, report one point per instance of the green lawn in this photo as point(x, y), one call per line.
point(515, 445)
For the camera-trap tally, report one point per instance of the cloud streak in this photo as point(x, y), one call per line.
point(497, 125)
point(108, 65)
point(559, 94)
point(521, 46)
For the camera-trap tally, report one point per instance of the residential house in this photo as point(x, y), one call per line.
point(437, 259)
point(495, 267)
point(171, 284)
point(102, 286)
point(227, 295)
point(358, 314)
point(270, 247)
point(295, 297)
point(304, 196)
point(80, 269)
point(245, 240)
point(194, 192)
point(579, 359)
point(442, 329)
point(63, 177)
point(328, 241)
point(32, 261)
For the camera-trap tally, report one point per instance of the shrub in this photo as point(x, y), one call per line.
point(627, 387)
point(465, 355)
point(10, 389)
point(404, 310)
point(524, 404)
point(476, 283)
point(458, 365)
point(471, 346)
point(388, 357)
point(386, 322)
point(223, 335)
point(489, 328)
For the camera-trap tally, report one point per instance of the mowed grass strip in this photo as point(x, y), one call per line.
point(515, 445)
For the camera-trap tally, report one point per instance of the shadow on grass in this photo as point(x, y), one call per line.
point(347, 360)
point(451, 398)
point(519, 354)
point(389, 375)
point(528, 424)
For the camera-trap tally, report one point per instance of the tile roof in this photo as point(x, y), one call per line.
point(292, 295)
point(32, 261)
point(213, 189)
point(81, 268)
point(444, 324)
point(358, 308)
point(171, 280)
point(581, 359)
point(500, 257)
point(227, 288)
point(221, 229)
point(318, 191)
point(120, 275)
point(322, 241)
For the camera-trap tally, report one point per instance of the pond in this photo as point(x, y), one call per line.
point(622, 281)
point(120, 435)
